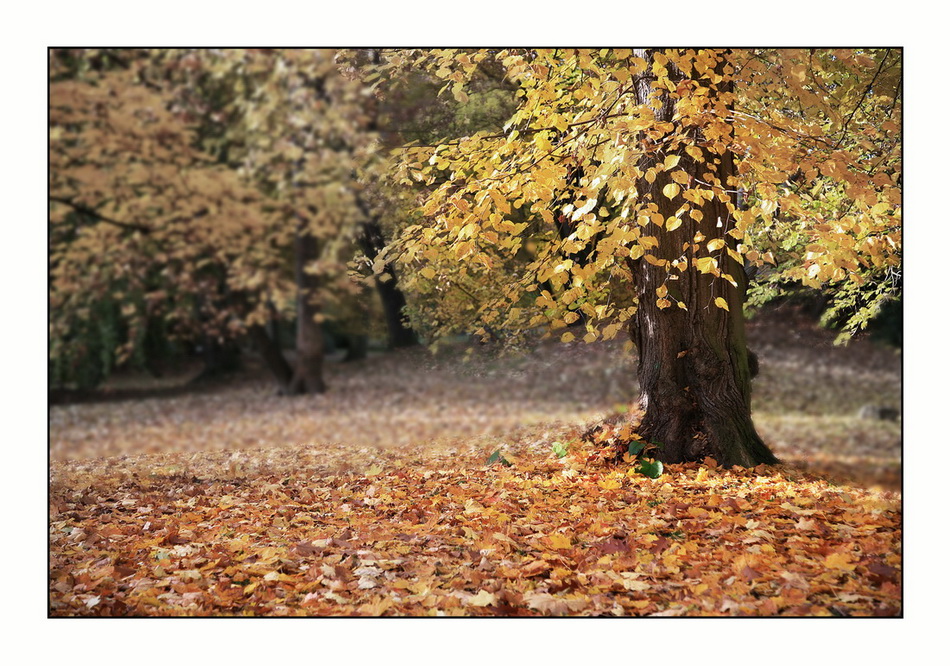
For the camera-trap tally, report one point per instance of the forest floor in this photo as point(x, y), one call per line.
point(378, 498)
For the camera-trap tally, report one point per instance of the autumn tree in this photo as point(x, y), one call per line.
point(139, 217)
point(617, 182)
point(408, 108)
point(230, 176)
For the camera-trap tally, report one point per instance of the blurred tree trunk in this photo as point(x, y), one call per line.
point(219, 358)
point(269, 348)
point(308, 366)
point(394, 301)
point(357, 347)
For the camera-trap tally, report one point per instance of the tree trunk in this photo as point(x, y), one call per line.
point(399, 334)
point(694, 366)
point(269, 348)
point(372, 242)
point(220, 359)
point(308, 367)
point(357, 347)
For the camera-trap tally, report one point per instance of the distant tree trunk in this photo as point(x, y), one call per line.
point(219, 358)
point(308, 367)
point(357, 347)
point(694, 366)
point(394, 301)
point(269, 348)
point(371, 241)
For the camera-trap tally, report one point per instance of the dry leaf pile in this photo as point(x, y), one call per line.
point(377, 499)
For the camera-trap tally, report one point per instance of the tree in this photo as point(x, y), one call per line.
point(617, 183)
point(407, 108)
point(139, 216)
point(226, 180)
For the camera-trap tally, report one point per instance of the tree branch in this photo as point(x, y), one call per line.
point(870, 86)
point(91, 212)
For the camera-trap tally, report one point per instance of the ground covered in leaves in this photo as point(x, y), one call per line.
point(377, 498)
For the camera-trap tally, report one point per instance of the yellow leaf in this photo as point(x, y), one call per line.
point(636, 252)
point(662, 303)
point(721, 303)
point(558, 541)
point(695, 152)
point(567, 337)
point(706, 264)
point(673, 223)
point(482, 599)
point(715, 244)
point(427, 273)
point(500, 202)
point(670, 162)
point(661, 291)
point(541, 141)
point(374, 470)
point(840, 561)
point(671, 190)
point(609, 484)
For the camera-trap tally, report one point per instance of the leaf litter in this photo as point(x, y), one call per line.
point(378, 497)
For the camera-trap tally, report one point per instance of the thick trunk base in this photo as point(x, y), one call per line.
point(306, 381)
point(695, 377)
point(692, 436)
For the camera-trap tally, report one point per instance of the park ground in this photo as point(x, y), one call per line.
point(426, 484)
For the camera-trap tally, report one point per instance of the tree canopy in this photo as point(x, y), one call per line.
point(179, 179)
point(815, 199)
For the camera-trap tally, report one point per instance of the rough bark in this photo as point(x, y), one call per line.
point(308, 366)
point(694, 366)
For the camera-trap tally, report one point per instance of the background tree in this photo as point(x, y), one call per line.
point(138, 215)
point(238, 166)
point(651, 149)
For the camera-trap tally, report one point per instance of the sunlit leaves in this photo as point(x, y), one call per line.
point(706, 264)
point(777, 123)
